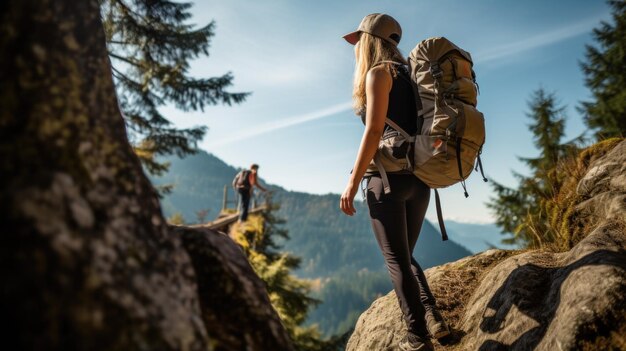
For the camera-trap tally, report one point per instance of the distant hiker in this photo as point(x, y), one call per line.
point(244, 182)
point(382, 90)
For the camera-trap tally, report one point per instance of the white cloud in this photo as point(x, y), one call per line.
point(282, 123)
point(288, 71)
point(536, 41)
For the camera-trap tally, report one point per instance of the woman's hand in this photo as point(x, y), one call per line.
point(347, 199)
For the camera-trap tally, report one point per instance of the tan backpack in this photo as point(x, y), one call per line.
point(451, 131)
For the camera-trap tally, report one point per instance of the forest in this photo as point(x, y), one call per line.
point(90, 163)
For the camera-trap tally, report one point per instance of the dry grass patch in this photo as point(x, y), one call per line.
point(564, 220)
point(454, 283)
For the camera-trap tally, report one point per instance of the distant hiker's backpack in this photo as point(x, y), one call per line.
point(242, 180)
point(451, 131)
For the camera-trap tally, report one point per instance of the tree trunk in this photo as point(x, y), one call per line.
point(88, 260)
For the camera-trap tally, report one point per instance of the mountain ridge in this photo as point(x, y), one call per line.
point(476, 237)
point(338, 252)
point(199, 181)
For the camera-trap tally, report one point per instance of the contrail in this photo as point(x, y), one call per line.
point(491, 54)
point(537, 41)
point(284, 123)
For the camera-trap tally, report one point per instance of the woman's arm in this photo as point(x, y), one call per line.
point(377, 87)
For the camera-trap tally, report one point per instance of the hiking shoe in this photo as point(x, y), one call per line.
point(412, 342)
point(437, 327)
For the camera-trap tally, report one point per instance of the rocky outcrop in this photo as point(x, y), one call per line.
point(533, 300)
point(381, 327)
point(545, 301)
point(88, 261)
point(603, 188)
point(236, 309)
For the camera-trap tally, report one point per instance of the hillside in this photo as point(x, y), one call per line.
point(477, 237)
point(326, 240)
point(339, 252)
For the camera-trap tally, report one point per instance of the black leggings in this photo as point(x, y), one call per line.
point(397, 220)
point(245, 203)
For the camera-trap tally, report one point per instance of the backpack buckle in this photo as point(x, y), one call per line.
point(436, 71)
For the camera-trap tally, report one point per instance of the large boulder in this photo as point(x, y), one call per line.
point(381, 327)
point(236, 308)
point(546, 301)
point(532, 300)
point(88, 261)
point(603, 187)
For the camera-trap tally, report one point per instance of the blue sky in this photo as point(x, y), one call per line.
point(298, 123)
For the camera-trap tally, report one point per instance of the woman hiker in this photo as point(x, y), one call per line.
point(380, 91)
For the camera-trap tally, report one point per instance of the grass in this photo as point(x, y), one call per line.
point(567, 223)
point(248, 233)
point(456, 285)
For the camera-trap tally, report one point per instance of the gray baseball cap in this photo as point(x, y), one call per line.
point(379, 25)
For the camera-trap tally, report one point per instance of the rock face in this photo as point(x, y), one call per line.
point(543, 301)
point(88, 261)
point(533, 300)
point(236, 309)
point(603, 188)
point(381, 327)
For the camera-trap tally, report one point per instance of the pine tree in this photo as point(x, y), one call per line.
point(520, 210)
point(151, 45)
point(605, 72)
point(548, 128)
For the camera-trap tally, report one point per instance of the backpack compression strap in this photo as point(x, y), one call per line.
point(442, 227)
point(383, 173)
point(480, 164)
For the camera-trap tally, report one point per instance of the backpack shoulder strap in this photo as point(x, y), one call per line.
point(416, 97)
point(389, 61)
point(395, 126)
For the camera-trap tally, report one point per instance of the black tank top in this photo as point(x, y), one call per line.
point(401, 107)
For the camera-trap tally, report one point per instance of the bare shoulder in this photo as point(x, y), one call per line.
point(379, 76)
point(379, 73)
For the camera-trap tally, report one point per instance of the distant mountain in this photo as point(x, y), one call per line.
point(325, 239)
point(477, 237)
point(198, 184)
point(338, 251)
point(330, 242)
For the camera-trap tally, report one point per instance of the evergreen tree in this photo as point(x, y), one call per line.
point(520, 210)
point(151, 45)
point(548, 126)
point(605, 72)
point(289, 294)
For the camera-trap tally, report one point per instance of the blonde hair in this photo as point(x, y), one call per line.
point(372, 51)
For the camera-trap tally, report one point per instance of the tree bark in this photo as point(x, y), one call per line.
point(88, 260)
point(84, 233)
